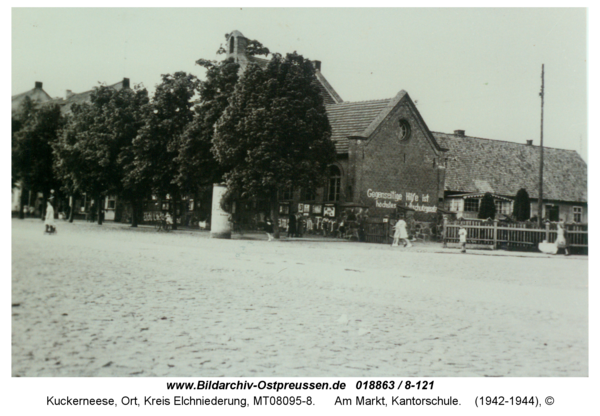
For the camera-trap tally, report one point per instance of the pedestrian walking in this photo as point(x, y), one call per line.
point(269, 229)
point(292, 226)
point(49, 220)
point(309, 225)
point(561, 238)
point(400, 233)
point(462, 236)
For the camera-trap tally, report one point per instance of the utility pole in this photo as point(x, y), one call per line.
point(541, 188)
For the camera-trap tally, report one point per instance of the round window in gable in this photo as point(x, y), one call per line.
point(403, 130)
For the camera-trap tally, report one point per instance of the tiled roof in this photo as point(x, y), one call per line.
point(330, 96)
point(80, 98)
point(352, 118)
point(262, 62)
point(484, 165)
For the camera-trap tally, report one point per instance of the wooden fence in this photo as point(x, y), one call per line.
point(521, 235)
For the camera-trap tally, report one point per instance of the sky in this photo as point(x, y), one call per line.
point(477, 70)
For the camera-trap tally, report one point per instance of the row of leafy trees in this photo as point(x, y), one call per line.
point(521, 206)
point(258, 131)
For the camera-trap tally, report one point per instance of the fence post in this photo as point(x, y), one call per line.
point(444, 231)
point(547, 232)
point(495, 235)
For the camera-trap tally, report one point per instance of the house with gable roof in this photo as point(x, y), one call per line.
point(475, 165)
point(386, 155)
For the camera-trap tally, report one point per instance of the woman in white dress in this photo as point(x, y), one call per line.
point(49, 220)
point(561, 240)
point(401, 234)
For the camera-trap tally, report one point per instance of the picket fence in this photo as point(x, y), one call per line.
point(522, 235)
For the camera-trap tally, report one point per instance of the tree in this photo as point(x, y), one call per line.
point(32, 153)
point(522, 206)
point(158, 143)
point(275, 133)
point(94, 152)
point(197, 164)
point(487, 208)
point(18, 120)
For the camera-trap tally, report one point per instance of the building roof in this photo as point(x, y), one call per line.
point(85, 97)
point(352, 119)
point(500, 167)
point(330, 96)
point(37, 94)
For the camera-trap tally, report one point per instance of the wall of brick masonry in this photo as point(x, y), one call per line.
point(386, 164)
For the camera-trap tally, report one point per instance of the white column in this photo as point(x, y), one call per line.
point(220, 227)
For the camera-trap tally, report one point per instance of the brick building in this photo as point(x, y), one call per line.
point(388, 157)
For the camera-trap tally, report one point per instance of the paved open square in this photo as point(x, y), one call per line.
point(113, 301)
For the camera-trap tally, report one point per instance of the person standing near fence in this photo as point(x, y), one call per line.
point(561, 238)
point(462, 236)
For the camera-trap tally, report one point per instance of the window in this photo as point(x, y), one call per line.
point(404, 130)
point(231, 40)
point(111, 202)
point(552, 212)
point(287, 193)
point(502, 207)
point(454, 205)
point(472, 205)
point(335, 180)
point(308, 194)
point(577, 211)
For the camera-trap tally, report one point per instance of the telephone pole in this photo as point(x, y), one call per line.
point(541, 190)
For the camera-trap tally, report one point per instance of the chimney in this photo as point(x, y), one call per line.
point(317, 65)
point(68, 94)
point(38, 84)
point(125, 82)
point(529, 142)
point(460, 133)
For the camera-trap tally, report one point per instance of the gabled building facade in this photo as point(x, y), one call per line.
point(387, 158)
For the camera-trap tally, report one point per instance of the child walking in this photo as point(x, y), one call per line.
point(401, 234)
point(462, 235)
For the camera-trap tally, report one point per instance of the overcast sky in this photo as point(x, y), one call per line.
point(477, 70)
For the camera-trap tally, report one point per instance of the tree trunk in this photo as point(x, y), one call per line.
point(44, 205)
point(275, 213)
point(175, 203)
point(100, 202)
point(22, 203)
point(134, 222)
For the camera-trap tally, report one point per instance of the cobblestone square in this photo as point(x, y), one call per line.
point(113, 301)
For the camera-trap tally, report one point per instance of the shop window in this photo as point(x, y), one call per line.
point(335, 181)
point(577, 212)
point(472, 205)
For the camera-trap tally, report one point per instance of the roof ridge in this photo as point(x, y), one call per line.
point(359, 102)
point(504, 141)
